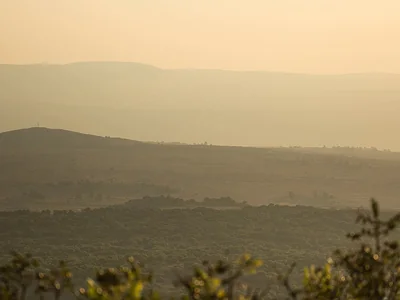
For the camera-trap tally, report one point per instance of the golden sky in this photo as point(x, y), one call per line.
point(312, 36)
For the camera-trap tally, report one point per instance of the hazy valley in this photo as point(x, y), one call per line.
point(241, 108)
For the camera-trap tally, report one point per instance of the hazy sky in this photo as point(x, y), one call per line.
point(313, 36)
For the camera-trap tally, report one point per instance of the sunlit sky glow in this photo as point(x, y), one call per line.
point(312, 36)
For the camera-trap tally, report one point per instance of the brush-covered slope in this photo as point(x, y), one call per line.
point(50, 139)
point(52, 168)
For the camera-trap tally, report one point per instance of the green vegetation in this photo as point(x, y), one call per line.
point(174, 240)
point(74, 194)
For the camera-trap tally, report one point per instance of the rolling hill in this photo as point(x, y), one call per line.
point(43, 168)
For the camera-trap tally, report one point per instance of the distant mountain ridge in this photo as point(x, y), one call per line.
point(248, 108)
point(133, 64)
point(124, 83)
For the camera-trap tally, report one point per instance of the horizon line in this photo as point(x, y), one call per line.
point(201, 69)
point(177, 143)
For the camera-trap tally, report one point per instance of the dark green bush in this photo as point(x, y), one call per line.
point(370, 270)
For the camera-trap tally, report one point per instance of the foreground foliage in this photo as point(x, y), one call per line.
point(371, 270)
point(173, 240)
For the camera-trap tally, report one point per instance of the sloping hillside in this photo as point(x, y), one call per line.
point(49, 139)
point(54, 168)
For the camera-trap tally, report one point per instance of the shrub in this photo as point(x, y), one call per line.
point(371, 270)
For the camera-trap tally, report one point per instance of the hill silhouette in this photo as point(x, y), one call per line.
point(45, 138)
point(45, 168)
